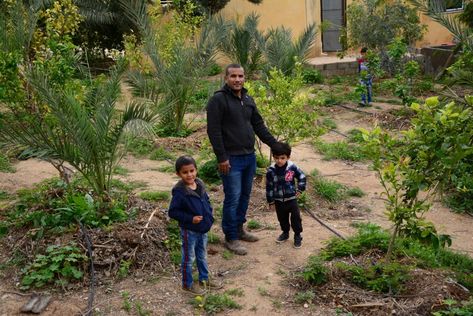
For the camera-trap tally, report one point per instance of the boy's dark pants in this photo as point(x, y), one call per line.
point(286, 209)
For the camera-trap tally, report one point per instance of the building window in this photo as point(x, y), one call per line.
point(446, 5)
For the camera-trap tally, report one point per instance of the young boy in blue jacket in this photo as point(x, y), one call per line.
point(282, 192)
point(190, 206)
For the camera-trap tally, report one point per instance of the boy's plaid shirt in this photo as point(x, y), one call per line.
point(283, 188)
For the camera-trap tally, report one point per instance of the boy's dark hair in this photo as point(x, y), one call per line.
point(364, 50)
point(279, 149)
point(184, 161)
point(232, 66)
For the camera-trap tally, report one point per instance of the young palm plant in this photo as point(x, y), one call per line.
point(84, 132)
point(282, 53)
point(245, 44)
point(172, 82)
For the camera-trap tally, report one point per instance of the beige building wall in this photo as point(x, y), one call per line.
point(298, 14)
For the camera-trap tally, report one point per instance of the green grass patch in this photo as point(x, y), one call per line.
point(215, 303)
point(329, 123)
point(167, 169)
point(235, 292)
point(4, 195)
point(139, 146)
point(356, 192)
point(227, 255)
point(155, 196)
point(340, 150)
point(120, 171)
point(329, 190)
point(213, 238)
point(161, 154)
point(253, 224)
point(173, 241)
point(304, 297)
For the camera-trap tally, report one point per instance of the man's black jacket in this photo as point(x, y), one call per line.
point(232, 123)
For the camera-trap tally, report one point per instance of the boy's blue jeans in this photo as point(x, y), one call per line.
point(237, 188)
point(194, 248)
point(366, 97)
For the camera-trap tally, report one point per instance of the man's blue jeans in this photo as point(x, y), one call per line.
point(194, 247)
point(237, 188)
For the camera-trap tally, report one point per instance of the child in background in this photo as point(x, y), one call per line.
point(282, 192)
point(190, 206)
point(365, 78)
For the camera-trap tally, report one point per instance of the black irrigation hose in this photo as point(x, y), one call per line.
point(88, 243)
point(322, 223)
point(353, 109)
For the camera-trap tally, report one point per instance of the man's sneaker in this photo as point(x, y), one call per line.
point(246, 236)
point(194, 290)
point(235, 247)
point(283, 237)
point(210, 285)
point(297, 241)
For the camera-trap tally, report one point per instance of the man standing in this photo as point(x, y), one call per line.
point(232, 122)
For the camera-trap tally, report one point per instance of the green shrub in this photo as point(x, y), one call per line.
point(208, 172)
point(454, 308)
point(329, 123)
point(213, 238)
point(155, 196)
point(262, 162)
point(58, 264)
point(139, 146)
point(355, 135)
point(120, 171)
point(4, 195)
point(311, 76)
point(214, 69)
point(315, 272)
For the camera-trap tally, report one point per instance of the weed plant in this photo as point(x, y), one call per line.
point(340, 150)
point(4, 195)
point(173, 241)
point(253, 224)
point(120, 171)
point(329, 190)
point(315, 272)
point(208, 172)
point(213, 238)
point(155, 196)
point(5, 165)
point(58, 265)
point(161, 154)
point(312, 76)
point(304, 297)
point(139, 146)
point(214, 303)
point(356, 192)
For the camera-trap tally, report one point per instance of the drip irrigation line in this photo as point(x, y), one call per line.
point(88, 243)
point(353, 109)
point(322, 223)
point(337, 132)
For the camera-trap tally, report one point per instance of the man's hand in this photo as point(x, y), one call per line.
point(271, 207)
point(224, 167)
point(196, 219)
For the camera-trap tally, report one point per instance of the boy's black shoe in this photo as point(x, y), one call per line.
point(283, 237)
point(297, 241)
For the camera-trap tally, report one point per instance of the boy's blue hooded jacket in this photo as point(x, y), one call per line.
point(186, 204)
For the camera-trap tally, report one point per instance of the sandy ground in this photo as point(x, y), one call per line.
point(260, 274)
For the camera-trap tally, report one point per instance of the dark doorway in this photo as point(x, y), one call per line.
point(333, 11)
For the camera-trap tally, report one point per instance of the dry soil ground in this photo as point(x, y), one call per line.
point(260, 274)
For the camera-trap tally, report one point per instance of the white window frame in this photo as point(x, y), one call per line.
point(452, 9)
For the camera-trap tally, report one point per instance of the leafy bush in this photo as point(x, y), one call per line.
point(312, 76)
point(214, 69)
point(139, 146)
point(208, 172)
point(58, 264)
point(454, 308)
point(329, 190)
point(262, 162)
point(155, 196)
point(315, 272)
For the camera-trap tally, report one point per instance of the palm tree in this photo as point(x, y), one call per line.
point(245, 44)
point(171, 83)
point(85, 133)
point(281, 52)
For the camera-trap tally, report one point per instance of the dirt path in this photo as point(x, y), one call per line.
point(260, 274)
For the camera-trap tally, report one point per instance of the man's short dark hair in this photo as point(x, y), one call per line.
point(279, 149)
point(184, 161)
point(232, 66)
point(364, 50)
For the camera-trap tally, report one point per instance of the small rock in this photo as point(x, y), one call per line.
point(306, 305)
